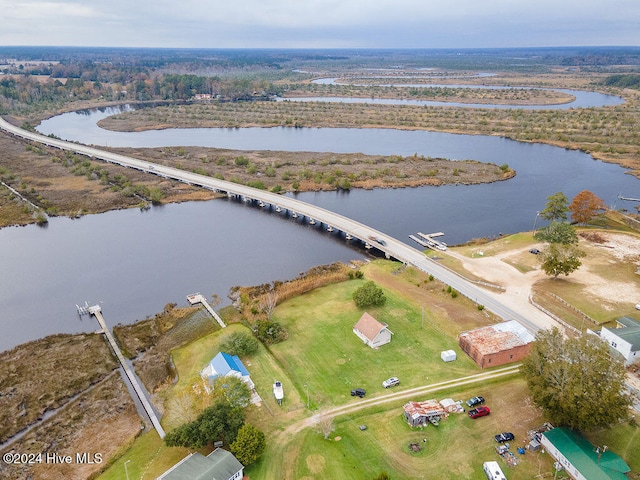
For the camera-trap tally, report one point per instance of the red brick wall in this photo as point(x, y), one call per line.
point(500, 358)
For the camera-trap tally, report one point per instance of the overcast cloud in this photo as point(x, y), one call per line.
point(320, 23)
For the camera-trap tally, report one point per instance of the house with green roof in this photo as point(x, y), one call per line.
point(218, 465)
point(580, 459)
point(625, 338)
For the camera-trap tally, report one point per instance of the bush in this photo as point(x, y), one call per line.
point(369, 294)
point(269, 332)
point(238, 343)
point(241, 161)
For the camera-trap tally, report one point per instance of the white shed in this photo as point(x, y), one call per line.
point(448, 355)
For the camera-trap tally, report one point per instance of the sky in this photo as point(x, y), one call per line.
point(320, 23)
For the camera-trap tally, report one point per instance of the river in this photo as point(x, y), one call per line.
point(134, 262)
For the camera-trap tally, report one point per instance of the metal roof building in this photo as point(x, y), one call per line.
point(497, 344)
point(580, 459)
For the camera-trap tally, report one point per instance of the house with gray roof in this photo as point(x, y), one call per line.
point(218, 465)
point(625, 338)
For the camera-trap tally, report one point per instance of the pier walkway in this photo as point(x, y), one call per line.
point(196, 298)
point(146, 404)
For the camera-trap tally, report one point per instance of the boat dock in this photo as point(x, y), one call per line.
point(417, 240)
point(196, 298)
point(427, 240)
point(96, 311)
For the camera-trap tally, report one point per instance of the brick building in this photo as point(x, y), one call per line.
point(497, 344)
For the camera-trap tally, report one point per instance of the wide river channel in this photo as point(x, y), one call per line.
point(134, 262)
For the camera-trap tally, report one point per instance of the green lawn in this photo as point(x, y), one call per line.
point(323, 358)
point(323, 352)
point(147, 458)
point(453, 450)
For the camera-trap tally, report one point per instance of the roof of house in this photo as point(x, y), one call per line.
point(629, 332)
point(369, 326)
point(499, 337)
point(428, 408)
point(218, 465)
point(584, 456)
point(223, 363)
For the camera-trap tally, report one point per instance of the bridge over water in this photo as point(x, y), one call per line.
point(527, 315)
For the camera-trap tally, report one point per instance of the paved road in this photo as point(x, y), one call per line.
point(392, 247)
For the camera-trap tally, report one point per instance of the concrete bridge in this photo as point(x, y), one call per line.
point(391, 247)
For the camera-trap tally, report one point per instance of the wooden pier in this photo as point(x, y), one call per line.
point(96, 311)
point(196, 298)
point(431, 243)
point(427, 240)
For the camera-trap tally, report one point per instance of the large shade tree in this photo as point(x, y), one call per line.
point(585, 206)
point(576, 381)
point(556, 208)
point(248, 445)
point(558, 258)
point(558, 232)
point(221, 421)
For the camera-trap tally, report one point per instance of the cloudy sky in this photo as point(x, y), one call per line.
point(320, 23)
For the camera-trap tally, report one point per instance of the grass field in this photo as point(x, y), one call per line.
point(324, 353)
point(322, 360)
point(453, 450)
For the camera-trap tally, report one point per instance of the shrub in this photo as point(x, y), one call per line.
point(269, 332)
point(238, 343)
point(241, 161)
point(369, 294)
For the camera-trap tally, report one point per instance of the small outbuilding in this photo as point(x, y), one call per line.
point(451, 406)
point(420, 414)
point(448, 355)
point(371, 331)
point(497, 344)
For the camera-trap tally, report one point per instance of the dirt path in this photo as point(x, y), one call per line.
point(282, 440)
point(519, 285)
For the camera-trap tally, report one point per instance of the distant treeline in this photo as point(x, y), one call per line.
point(25, 93)
point(623, 81)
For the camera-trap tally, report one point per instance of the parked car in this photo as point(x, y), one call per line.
point(358, 392)
point(535, 251)
point(391, 382)
point(637, 306)
point(472, 402)
point(504, 437)
point(479, 412)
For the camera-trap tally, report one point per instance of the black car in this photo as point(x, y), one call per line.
point(504, 437)
point(472, 402)
point(358, 392)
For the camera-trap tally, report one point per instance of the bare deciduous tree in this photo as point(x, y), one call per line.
point(268, 303)
point(325, 425)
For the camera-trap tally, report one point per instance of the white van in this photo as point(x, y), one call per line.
point(493, 471)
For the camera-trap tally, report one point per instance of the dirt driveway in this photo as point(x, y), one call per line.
point(499, 270)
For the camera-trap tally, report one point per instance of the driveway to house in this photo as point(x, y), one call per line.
point(358, 405)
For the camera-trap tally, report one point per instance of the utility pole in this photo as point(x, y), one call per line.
point(535, 220)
